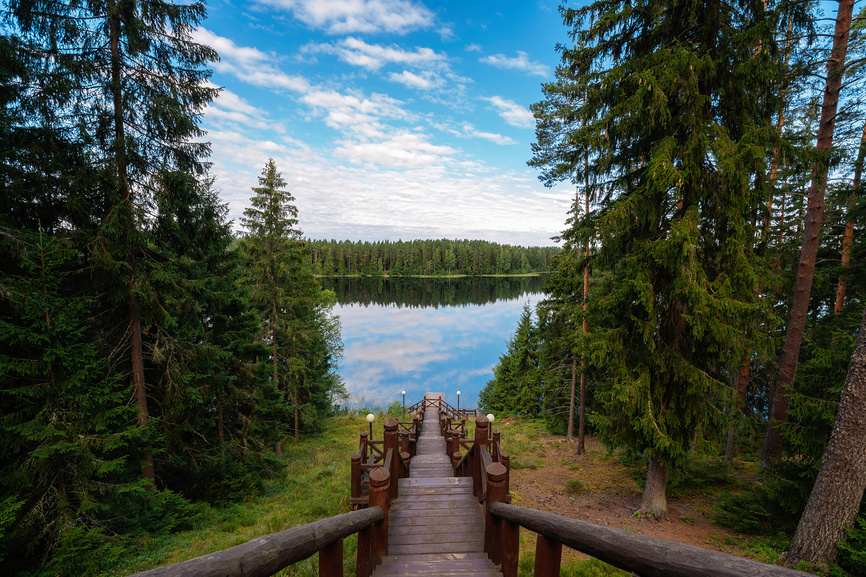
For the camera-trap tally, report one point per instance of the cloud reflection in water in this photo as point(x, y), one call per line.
point(389, 348)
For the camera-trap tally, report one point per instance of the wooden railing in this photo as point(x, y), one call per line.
point(482, 451)
point(392, 452)
point(644, 556)
point(266, 555)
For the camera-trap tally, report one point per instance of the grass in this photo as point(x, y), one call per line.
point(314, 485)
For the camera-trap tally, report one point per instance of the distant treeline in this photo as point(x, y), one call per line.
point(431, 292)
point(427, 257)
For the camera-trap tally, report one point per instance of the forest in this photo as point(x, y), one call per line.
point(709, 296)
point(428, 258)
point(150, 360)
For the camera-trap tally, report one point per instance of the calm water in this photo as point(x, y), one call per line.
point(422, 335)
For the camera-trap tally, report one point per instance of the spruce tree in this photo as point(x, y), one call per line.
point(135, 91)
point(296, 325)
point(677, 98)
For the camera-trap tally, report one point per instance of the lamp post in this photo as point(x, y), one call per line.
point(370, 418)
point(490, 418)
point(458, 402)
point(404, 401)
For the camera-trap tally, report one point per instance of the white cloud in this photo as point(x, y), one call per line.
point(356, 52)
point(520, 62)
point(512, 113)
point(424, 81)
point(473, 48)
point(467, 130)
point(248, 64)
point(404, 150)
point(352, 16)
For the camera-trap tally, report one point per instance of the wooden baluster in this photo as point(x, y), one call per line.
point(495, 447)
point(331, 560)
point(380, 481)
point(548, 557)
point(363, 446)
point(356, 478)
point(492, 526)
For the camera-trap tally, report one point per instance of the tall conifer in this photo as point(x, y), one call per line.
point(677, 101)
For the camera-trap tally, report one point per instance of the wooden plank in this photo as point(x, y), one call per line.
point(432, 548)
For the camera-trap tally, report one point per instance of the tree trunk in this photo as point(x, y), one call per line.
point(740, 381)
point(772, 449)
point(570, 433)
point(654, 501)
point(838, 490)
point(136, 351)
point(278, 447)
point(581, 429)
point(848, 239)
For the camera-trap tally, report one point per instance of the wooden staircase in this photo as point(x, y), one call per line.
point(436, 526)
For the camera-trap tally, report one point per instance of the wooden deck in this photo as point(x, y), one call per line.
point(436, 526)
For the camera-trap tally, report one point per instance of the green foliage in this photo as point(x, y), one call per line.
point(302, 337)
point(516, 385)
point(427, 257)
point(851, 557)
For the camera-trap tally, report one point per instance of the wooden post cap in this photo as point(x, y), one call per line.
point(496, 472)
point(363, 434)
point(482, 421)
point(391, 424)
point(379, 477)
point(356, 456)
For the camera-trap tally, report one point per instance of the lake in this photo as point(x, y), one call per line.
point(420, 335)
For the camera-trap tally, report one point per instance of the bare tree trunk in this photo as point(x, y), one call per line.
point(581, 429)
point(772, 449)
point(848, 239)
point(570, 429)
point(835, 499)
point(136, 351)
point(740, 380)
point(278, 447)
point(654, 501)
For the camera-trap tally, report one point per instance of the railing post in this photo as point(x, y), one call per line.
point(481, 426)
point(548, 557)
point(492, 526)
point(356, 478)
point(495, 445)
point(404, 441)
point(379, 488)
point(331, 560)
point(505, 459)
point(404, 465)
point(390, 443)
point(363, 446)
point(455, 460)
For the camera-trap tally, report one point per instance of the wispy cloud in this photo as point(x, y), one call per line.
point(520, 62)
point(372, 57)
point(249, 64)
point(353, 16)
point(511, 112)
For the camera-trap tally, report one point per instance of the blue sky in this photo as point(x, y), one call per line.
point(389, 119)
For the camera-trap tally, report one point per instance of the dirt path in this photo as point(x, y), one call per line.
point(607, 495)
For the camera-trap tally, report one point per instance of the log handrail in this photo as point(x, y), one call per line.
point(642, 555)
point(265, 555)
